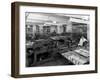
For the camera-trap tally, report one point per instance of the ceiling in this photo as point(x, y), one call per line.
point(52, 18)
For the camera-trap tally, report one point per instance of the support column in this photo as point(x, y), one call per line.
point(69, 27)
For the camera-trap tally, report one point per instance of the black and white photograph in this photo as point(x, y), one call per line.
point(55, 39)
point(52, 39)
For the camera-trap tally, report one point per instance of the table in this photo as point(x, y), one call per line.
point(76, 57)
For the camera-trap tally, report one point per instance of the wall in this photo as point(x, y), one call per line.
point(5, 40)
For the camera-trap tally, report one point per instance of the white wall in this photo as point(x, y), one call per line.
point(5, 40)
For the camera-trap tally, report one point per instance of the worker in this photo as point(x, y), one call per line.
point(82, 41)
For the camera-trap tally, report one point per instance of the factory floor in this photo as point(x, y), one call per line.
point(56, 60)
